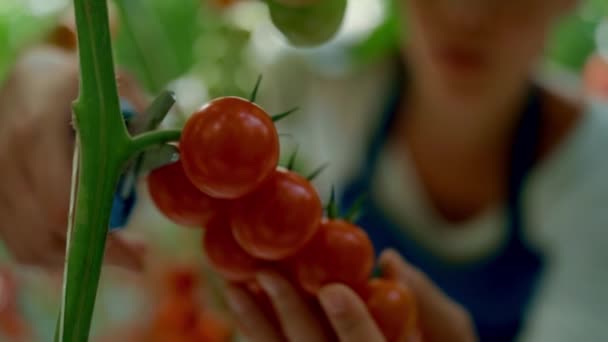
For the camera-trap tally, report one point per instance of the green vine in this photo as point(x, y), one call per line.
point(103, 146)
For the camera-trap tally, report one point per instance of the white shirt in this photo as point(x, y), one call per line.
point(565, 200)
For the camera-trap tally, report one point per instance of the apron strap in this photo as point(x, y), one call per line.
point(523, 156)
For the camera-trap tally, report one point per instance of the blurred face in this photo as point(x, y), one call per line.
point(470, 47)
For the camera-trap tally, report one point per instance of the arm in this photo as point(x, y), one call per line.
point(36, 147)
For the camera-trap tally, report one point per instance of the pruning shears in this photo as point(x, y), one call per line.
point(125, 196)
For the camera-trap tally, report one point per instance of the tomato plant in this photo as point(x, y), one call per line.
point(224, 253)
point(229, 147)
point(393, 307)
point(340, 252)
point(178, 199)
point(278, 218)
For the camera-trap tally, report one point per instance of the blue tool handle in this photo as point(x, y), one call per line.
point(123, 207)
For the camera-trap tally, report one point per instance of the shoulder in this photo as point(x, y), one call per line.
point(575, 146)
point(568, 220)
point(566, 189)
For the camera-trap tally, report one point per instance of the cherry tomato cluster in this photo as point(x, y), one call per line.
point(258, 215)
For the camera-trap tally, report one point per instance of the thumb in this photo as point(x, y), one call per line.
point(127, 253)
point(441, 318)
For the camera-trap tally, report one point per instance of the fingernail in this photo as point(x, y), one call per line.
point(234, 300)
point(268, 283)
point(333, 300)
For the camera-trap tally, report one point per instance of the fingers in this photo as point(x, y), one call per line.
point(348, 315)
point(250, 317)
point(441, 318)
point(297, 319)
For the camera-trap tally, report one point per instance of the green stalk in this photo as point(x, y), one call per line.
point(103, 148)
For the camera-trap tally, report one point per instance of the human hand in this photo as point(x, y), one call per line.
point(36, 148)
point(440, 319)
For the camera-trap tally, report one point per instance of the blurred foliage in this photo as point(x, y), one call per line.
point(19, 26)
point(162, 40)
point(156, 38)
point(575, 38)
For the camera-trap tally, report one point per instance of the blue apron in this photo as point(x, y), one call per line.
point(497, 290)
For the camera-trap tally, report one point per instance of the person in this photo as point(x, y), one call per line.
point(485, 189)
point(488, 182)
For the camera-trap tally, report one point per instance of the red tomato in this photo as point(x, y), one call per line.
point(225, 255)
point(393, 307)
point(340, 252)
point(178, 199)
point(279, 218)
point(229, 147)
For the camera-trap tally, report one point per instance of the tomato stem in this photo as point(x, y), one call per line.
point(103, 146)
point(159, 109)
point(145, 140)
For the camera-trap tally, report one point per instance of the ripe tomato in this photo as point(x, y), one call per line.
point(229, 147)
point(178, 199)
point(278, 218)
point(225, 255)
point(393, 307)
point(340, 252)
